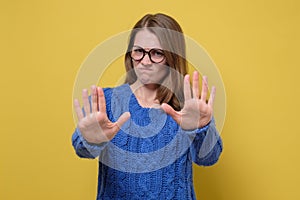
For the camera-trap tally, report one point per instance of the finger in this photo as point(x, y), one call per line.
point(204, 89)
point(187, 88)
point(122, 119)
point(170, 111)
point(94, 99)
point(86, 103)
point(196, 85)
point(212, 96)
point(101, 100)
point(78, 110)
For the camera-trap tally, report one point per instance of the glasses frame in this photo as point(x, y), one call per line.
point(148, 53)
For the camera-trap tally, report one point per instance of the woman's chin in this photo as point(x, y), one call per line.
point(148, 82)
point(145, 80)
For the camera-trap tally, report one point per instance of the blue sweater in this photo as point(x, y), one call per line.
point(151, 156)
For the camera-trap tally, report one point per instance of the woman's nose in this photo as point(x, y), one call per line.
point(146, 60)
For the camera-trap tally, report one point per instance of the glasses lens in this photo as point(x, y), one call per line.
point(137, 54)
point(157, 55)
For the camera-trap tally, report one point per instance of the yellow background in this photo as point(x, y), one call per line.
point(255, 45)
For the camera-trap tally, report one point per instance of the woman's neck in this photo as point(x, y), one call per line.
point(145, 94)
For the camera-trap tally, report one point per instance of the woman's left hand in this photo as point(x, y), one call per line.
point(197, 112)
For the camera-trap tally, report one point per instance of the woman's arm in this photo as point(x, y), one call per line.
point(207, 146)
point(196, 116)
point(94, 129)
point(85, 149)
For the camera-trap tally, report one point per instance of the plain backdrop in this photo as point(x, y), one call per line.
point(255, 45)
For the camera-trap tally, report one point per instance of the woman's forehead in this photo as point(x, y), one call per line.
point(146, 39)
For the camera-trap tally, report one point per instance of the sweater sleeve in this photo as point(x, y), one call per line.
point(85, 149)
point(207, 145)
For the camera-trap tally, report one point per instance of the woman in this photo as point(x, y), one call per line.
point(148, 131)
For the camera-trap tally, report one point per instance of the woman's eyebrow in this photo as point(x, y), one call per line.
point(137, 46)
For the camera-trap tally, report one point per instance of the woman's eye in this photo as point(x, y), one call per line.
point(158, 53)
point(138, 50)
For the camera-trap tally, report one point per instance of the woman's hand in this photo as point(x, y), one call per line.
point(196, 112)
point(95, 126)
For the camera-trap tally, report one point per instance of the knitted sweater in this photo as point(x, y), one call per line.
point(151, 156)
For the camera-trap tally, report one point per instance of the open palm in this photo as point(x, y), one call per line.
point(197, 112)
point(95, 126)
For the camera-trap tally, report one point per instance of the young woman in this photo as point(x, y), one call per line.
point(148, 131)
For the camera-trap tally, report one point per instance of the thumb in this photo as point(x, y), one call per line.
point(169, 110)
point(122, 119)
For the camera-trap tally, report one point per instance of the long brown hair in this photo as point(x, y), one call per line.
point(170, 36)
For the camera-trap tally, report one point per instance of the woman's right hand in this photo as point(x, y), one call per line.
point(95, 126)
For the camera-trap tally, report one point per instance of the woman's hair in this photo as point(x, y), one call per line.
point(170, 36)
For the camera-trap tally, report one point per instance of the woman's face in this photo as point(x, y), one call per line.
point(148, 72)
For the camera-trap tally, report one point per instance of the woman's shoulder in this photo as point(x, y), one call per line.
point(122, 88)
point(118, 93)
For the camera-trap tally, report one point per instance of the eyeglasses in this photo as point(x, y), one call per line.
point(155, 55)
